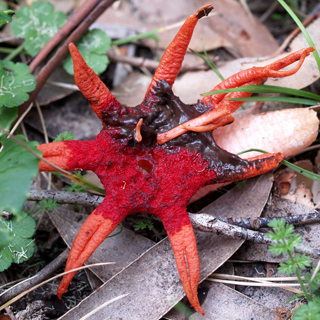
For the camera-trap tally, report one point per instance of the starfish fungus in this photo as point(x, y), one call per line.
point(153, 157)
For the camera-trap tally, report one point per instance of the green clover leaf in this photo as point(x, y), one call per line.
point(19, 246)
point(64, 136)
point(93, 47)
point(15, 83)
point(18, 167)
point(37, 25)
point(7, 117)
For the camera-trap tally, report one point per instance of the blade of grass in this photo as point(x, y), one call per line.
point(307, 102)
point(209, 62)
point(150, 34)
point(268, 89)
point(306, 173)
point(303, 30)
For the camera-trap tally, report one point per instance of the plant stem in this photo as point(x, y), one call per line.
point(14, 52)
point(36, 203)
point(307, 295)
point(148, 34)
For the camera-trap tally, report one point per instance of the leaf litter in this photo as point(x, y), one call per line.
point(205, 80)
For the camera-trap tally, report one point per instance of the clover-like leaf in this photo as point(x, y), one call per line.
point(7, 117)
point(4, 237)
point(37, 25)
point(17, 169)
point(93, 47)
point(64, 136)
point(20, 246)
point(49, 204)
point(310, 311)
point(15, 83)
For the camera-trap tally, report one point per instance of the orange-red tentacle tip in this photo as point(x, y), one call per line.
point(91, 86)
point(58, 153)
point(184, 246)
point(171, 61)
point(91, 234)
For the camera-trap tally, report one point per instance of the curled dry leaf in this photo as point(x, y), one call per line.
point(309, 71)
point(302, 195)
point(188, 86)
point(286, 131)
point(284, 180)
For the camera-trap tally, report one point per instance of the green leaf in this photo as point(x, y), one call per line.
point(310, 311)
point(20, 246)
point(287, 267)
point(6, 16)
point(37, 25)
point(302, 261)
point(64, 136)
point(4, 237)
point(49, 204)
point(278, 248)
point(7, 117)
point(15, 83)
point(277, 223)
point(93, 47)
point(18, 167)
point(294, 241)
point(143, 224)
point(3, 5)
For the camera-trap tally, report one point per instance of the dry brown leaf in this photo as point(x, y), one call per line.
point(284, 180)
point(248, 38)
point(189, 86)
point(309, 72)
point(302, 195)
point(149, 15)
point(225, 303)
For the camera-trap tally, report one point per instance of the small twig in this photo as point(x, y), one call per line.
point(64, 197)
point(207, 223)
point(257, 223)
point(38, 278)
point(81, 198)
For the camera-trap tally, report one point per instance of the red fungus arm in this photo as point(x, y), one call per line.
point(92, 233)
point(245, 77)
point(184, 246)
point(69, 155)
point(259, 74)
point(91, 86)
point(171, 61)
